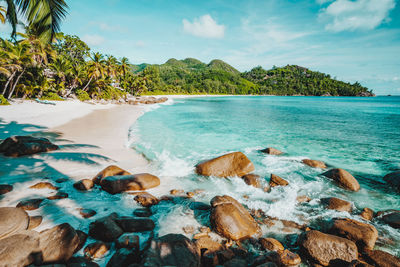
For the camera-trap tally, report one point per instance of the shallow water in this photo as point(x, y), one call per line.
point(361, 135)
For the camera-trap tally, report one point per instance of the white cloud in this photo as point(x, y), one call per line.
point(205, 26)
point(356, 15)
point(93, 39)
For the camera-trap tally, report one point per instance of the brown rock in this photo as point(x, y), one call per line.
point(17, 146)
point(109, 171)
point(58, 243)
point(82, 240)
point(367, 214)
point(30, 204)
point(190, 194)
point(12, 221)
point(343, 178)
point(34, 221)
point(236, 262)
point(20, 250)
point(188, 229)
point(87, 213)
point(230, 219)
point(121, 183)
point(314, 163)
point(364, 235)
point(288, 258)
point(172, 250)
point(205, 242)
point(129, 240)
point(204, 229)
point(393, 179)
point(271, 151)
point(232, 164)
point(338, 204)
point(105, 229)
point(252, 179)
point(381, 258)
point(44, 185)
point(96, 250)
point(303, 198)
point(58, 195)
point(176, 192)
point(271, 244)
point(5, 188)
point(276, 181)
point(130, 225)
point(145, 199)
point(324, 248)
point(84, 185)
point(393, 219)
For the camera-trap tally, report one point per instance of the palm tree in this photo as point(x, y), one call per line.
point(96, 68)
point(78, 74)
point(111, 66)
point(124, 66)
point(46, 15)
point(61, 68)
point(3, 16)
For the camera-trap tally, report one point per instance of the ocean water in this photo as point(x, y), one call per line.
point(361, 135)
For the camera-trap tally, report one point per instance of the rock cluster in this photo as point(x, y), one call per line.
point(17, 146)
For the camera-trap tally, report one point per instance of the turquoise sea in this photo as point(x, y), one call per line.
point(361, 135)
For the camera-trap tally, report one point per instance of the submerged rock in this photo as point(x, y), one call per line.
point(381, 258)
point(271, 151)
point(124, 257)
point(393, 219)
point(121, 183)
point(364, 235)
point(228, 165)
point(172, 250)
point(129, 224)
point(30, 204)
point(338, 204)
point(87, 213)
point(343, 178)
point(17, 146)
point(275, 180)
point(5, 188)
point(44, 185)
point(96, 250)
point(324, 248)
point(252, 179)
point(393, 179)
point(142, 212)
point(111, 170)
point(12, 221)
point(230, 219)
point(58, 195)
point(105, 229)
point(129, 240)
point(314, 163)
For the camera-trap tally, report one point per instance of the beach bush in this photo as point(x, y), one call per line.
point(82, 95)
point(3, 100)
point(51, 96)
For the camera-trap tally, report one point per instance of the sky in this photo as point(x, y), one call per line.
point(352, 40)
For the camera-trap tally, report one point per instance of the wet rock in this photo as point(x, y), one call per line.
point(145, 199)
point(343, 178)
point(172, 250)
point(58, 244)
point(177, 192)
point(142, 212)
point(288, 258)
point(58, 195)
point(271, 244)
point(87, 213)
point(230, 219)
point(82, 240)
point(252, 179)
point(364, 235)
point(384, 212)
point(190, 194)
point(303, 198)
point(338, 204)
point(34, 221)
point(130, 241)
point(96, 250)
point(81, 262)
point(367, 214)
point(61, 180)
point(12, 221)
point(44, 185)
point(314, 163)
point(205, 242)
point(124, 257)
point(121, 183)
point(204, 229)
point(381, 258)
point(111, 170)
point(393, 219)
point(17, 146)
point(271, 151)
point(228, 165)
point(105, 229)
point(188, 229)
point(236, 263)
point(393, 179)
point(5, 188)
point(20, 250)
point(84, 185)
point(30, 204)
point(135, 224)
point(277, 181)
point(324, 248)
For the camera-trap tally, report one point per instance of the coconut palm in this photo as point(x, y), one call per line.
point(96, 68)
point(124, 67)
point(3, 11)
point(111, 64)
point(46, 15)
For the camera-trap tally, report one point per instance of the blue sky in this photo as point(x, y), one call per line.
point(354, 40)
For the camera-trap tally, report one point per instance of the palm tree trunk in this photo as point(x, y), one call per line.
point(84, 88)
point(9, 80)
point(15, 84)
